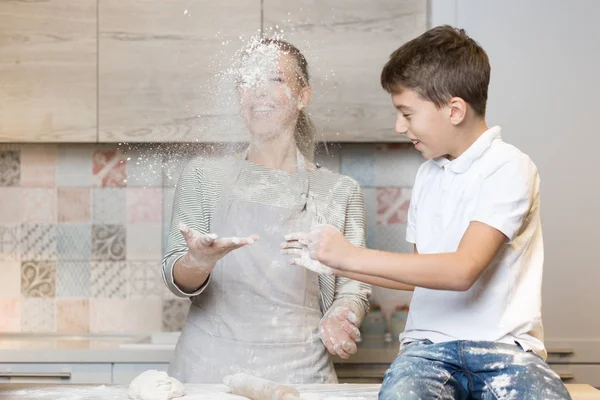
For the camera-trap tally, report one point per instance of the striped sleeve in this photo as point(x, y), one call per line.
point(189, 210)
point(347, 291)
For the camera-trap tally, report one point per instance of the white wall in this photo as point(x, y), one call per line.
point(545, 93)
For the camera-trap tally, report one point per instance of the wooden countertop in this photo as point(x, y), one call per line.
point(21, 391)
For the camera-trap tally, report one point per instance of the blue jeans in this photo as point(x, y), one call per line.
point(470, 370)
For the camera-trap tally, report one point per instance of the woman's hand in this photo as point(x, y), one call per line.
point(338, 331)
point(206, 249)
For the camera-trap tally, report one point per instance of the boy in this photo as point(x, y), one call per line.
point(474, 329)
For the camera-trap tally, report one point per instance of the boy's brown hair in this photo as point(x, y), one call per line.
point(442, 63)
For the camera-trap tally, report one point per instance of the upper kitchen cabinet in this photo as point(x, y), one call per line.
point(347, 42)
point(48, 71)
point(161, 65)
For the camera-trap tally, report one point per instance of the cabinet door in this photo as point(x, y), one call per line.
point(124, 373)
point(159, 63)
point(48, 71)
point(56, 373)
point(578, 373)
point(346, 43)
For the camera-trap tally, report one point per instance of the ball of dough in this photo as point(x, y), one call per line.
point(155, 385)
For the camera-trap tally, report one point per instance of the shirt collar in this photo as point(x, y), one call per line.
point(463, 162)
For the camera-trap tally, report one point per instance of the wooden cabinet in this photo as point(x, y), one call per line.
point(346, 44)
point(48, 71)
point(158, 69)
point(150, 70)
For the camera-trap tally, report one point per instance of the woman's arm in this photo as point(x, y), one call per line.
point(187, 209)
point(347, 290)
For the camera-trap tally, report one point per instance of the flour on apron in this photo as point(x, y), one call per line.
point(259, 314)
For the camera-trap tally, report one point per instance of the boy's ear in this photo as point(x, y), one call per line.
point(457, 110)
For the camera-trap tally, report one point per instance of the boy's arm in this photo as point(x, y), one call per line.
point(378, 281)
point(506, 198)
point(446, 271)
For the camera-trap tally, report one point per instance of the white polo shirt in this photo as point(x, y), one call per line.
point(494, 183)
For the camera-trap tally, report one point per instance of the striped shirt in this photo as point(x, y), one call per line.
point(338, 199)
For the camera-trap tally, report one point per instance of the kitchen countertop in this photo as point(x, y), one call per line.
point(205, 392)
point(59, 348)
point(158, 348)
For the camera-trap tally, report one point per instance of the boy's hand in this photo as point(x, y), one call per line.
point(324, 243)
point(301, 257)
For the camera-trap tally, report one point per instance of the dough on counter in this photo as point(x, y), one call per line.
point(155, 385)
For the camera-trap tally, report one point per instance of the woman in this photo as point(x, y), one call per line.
point(251, 310)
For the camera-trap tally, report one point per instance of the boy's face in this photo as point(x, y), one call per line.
point(427, 127)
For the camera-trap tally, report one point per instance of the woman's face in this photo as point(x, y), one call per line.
point(272, 93)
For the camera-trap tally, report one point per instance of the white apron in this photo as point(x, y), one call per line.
point(258, 314)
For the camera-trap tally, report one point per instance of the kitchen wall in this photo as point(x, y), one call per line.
point(82, 230)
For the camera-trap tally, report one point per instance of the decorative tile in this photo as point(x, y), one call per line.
point(145, 315)
point(125, 315)
point(108, 206)
point(74, 166)
point(108, 242)
point(10, 284)
point(370, 199)
point(10, 309)
point(109, 279)
point(10, 168)
point(144, 278)
point(107, 315)
point(359, 165)
point(11, 211)
point(144, 241)
point(166, 292)
point(38, 315)
point(144, 168)
point(396, 165)
point(38, 278)
point(73, 278)
point(392, 238)
point(392, 205)
point(74, 205)
point(11, 146)
point(144, 205)
point(38, 242)
point(72, 315)
point(9, 242)
point(74, 241)
point(38, 165)
point(39, 206)
point(174, 314)
point(371, 237)
point(109, 168)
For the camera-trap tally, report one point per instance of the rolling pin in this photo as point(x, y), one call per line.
point(259, 389)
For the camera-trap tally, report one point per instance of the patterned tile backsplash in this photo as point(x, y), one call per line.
point(83, 227)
